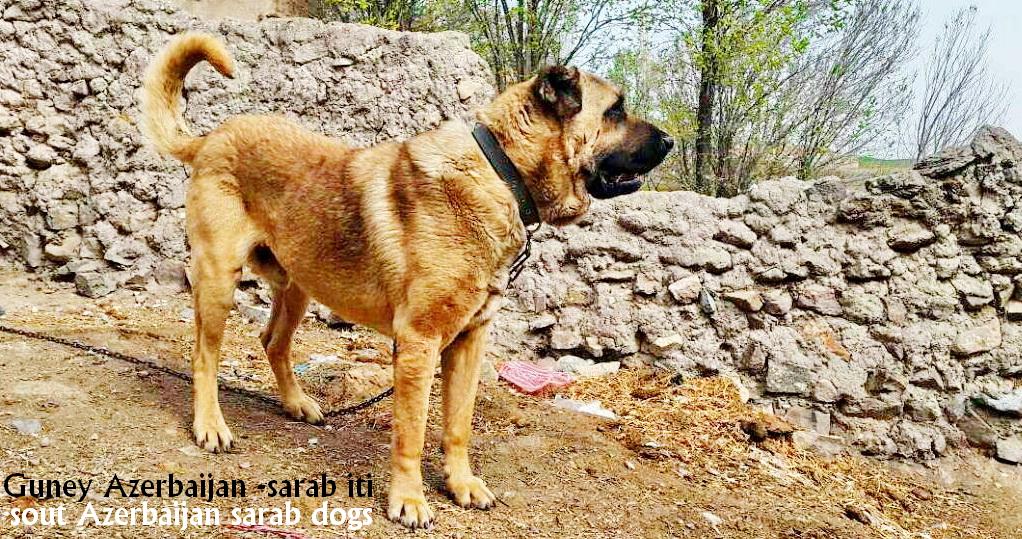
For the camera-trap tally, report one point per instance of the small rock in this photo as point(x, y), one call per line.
point(862, 307)
point(27, 427)
point(172, 273)
point(712, 519)
point(978, 432)
point(80, 88)
point(542, 321)
point(616, 275)
point(789, 375)
point(974, 292)
point(823, 445)
point(665, 344)
point(707, 303)
point(686, 290)
point(597, 369)
point(63, 251)
point(646, 285)
point(821, 422)
point(776, 302)
point(981, 338)
point(45, 442)
point(922, 405)
point(872, 408)
point(749, 301)
point(783, 236)
point(93, 285)
point(825, 391)
point(314, 441)
point(910, 237)
point(569, 363)
point(946, 163)
point(819, 298)
point(190, 450)
point(743, 392)
point(1010, 450)
point(244, 465)
point(41, 157)
point(1008, 404)
point(735, 233)
point(800, 416)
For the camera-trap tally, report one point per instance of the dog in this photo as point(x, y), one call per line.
point(413, 239)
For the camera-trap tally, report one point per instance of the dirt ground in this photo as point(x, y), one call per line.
point(558, 473)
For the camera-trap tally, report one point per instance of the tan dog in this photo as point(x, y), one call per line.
point(412, 239)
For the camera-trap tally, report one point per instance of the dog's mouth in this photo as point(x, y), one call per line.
point(620, 172)
point(604, 185)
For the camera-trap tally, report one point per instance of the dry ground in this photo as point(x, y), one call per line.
point(677, 452)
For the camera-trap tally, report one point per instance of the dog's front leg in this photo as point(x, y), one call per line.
point(416, 360)
point(461, 363)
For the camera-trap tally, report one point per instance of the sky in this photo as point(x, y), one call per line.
point(1004, 17)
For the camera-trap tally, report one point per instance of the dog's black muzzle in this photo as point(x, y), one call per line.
point(617, 173)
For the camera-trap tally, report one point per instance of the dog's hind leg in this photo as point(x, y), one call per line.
point(289, 304)
point(221, 236)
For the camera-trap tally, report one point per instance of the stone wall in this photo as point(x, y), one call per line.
point(884, 312)
point(244, 10)
point(82, 197)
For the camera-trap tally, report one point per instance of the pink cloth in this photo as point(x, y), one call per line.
point(529, 378)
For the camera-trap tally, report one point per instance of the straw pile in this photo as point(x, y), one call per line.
point(703, 425)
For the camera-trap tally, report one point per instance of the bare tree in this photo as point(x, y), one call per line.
point(853, 90)
point(797, 85)
point(961, 93)
point(520, 36)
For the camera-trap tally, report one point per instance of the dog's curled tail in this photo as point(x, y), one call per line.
point(162, 122)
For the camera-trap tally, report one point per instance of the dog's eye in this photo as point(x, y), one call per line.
point(616, 111)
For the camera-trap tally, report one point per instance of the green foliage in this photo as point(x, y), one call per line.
point(419, 15)
point(796, 84)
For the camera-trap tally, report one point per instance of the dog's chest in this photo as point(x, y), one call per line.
point(492, 303)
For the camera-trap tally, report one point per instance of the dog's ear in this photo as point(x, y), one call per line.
point(558, 87)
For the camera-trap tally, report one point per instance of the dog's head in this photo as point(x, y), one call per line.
point(571, 137)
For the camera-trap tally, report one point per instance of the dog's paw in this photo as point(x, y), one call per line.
point(470, 491)
point(304, 408)
point(212, 434)
point(410, 510)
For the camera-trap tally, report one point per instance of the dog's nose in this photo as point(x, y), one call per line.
point(668, 142)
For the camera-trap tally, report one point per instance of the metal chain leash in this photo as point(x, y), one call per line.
point(516, 268)
point(150, 364)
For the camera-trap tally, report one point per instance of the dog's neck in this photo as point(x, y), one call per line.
point(508, 172)
point(515, 121)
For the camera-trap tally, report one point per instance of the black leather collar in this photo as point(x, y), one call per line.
point(507, 171)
